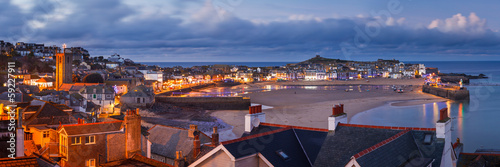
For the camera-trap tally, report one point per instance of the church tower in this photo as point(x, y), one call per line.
point(64, 73)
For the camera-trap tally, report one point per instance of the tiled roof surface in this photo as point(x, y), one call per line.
point(268, 144)
point(166, 140)
point(136, 160)
point(395, 152)
point(478, 160)
point(48, 114)
point(88, 128)
point(19, 162)
point(378, 146)
point(346, 141)
point(310, 138)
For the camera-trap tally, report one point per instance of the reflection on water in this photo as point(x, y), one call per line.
point(474, 122)
point(238, 91)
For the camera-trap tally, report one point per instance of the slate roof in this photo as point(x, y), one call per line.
point(387, 155)
point(19, 161)
point(140, 91)
point(478, 160)
point(301, 144)
point(378, 146)
point(19, 97)
point(98, 88)
point(166, 140)
point(88, 128)
point(74, 87)
point(137, 160)
point(48, 114)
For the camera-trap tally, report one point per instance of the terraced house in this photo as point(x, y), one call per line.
point(101, 95)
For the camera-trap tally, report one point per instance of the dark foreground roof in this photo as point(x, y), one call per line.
point(300, 144)
point(478, 160)
point(379, 146)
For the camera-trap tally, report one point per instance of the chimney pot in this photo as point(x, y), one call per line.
point(137, 111)
point(215, 137)
point(196, 146)
point(443, 114)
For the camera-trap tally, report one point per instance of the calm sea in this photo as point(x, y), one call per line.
point(475, 122)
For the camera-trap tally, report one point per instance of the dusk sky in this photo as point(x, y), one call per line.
point(258, 30)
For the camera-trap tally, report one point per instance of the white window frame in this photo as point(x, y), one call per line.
point(73, 140)
point(87, 139)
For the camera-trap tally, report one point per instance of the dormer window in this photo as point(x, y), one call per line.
point(428, 138)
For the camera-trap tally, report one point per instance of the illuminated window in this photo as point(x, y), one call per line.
point(76, 140)
point(90, 140)
point(45, 134)
point(90, 163)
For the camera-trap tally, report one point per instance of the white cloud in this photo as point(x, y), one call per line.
point(460, 23)
point(301, 17)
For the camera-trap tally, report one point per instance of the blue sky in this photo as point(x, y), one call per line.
point(258, 30)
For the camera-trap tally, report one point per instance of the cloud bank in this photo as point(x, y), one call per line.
point(193, 31)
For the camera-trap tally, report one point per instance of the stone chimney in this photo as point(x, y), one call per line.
point(215, 137)
point(192, 129)
point(254, 117)
point(443, 132)
point(179, 160)
point(338, 116)
point(443, 125)
point(196, 145)
point(19, 135)
point(132, 123)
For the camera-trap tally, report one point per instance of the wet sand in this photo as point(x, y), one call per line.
point(311, 107)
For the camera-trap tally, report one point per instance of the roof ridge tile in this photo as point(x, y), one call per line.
point(380, 144)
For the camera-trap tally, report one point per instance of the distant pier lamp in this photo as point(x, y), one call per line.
point(461, 84)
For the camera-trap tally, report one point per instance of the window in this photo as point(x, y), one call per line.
point(282, 154)
point(428, 139)
point(28, 136)
point(76, 140)
point(90, 163)
point(45, 134)
point(64, 146)
point(90, 140)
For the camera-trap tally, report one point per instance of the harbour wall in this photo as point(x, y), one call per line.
point(452, 94)
point(208, 103)
point(185, 90)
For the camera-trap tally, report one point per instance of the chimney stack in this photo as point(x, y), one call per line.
point(338, 116)
point(192, 129)
point(254, 116)
point(133, 133)
point(215, 137)
point(443, 131)
point(19, 135)
point(196, 145)
point(179, 160)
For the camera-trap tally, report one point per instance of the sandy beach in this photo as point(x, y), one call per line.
point(311, 104)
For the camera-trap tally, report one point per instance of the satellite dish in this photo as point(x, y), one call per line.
point(255, 122)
